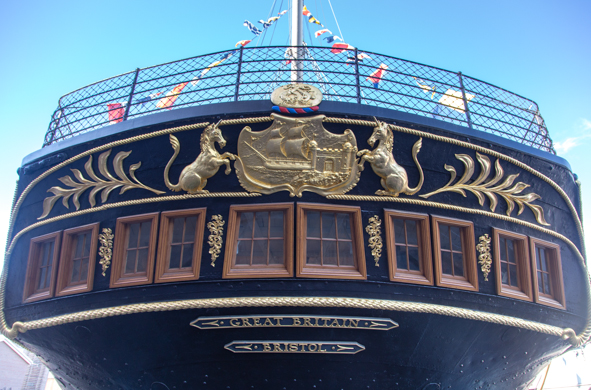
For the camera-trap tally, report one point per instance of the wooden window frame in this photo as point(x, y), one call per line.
point(63, 286)
point(557, 299)
point(120, 246)
point(30, 293)
point(332, 272)
point(469, 282)
point(524, 291)
point(231, 271)
point(425, 275)
point(163, 273)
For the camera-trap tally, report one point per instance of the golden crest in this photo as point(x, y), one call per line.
point(296, 96)
point(297, 155)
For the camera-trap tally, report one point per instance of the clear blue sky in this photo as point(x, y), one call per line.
point(539, 49)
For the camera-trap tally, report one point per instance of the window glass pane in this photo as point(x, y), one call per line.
point(328, 226)
point(259, 251)
point(514, 280)
point(78, 242)
point(261, 225)
point(177, 230)
point(540, 283)
point(130, 261)
point(145, 233)
point(276, 248)
point(313, 251)
point(504, 273)
point(75, 271)
point(190, 226)
point(502, 248)
point(134, 230)
point(243, 252)
point(346, 253)
point(411, 232)
point(344, 226)
point(175, 256)
point(444, 236)
point(276, 224)
point(41, 285)
point(399, 232)
point(458, 264)
point(142, 260)
point(456, 238)
point(329, 252)
point(541, 258)
point(87, 242)
point(401, 262)
point(313, 225)
point(511, 251)
point(547, 284)
point(83, 270)
point(187, 256)
point(446, 263)
point(413, 259)
point(47, 253)
point(545, 263)
point(246, 220)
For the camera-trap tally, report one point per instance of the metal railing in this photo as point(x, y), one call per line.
point(253, 74)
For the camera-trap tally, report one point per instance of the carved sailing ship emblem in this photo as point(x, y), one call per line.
point(296, 155)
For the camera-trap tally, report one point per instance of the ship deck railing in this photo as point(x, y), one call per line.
point(253, 73)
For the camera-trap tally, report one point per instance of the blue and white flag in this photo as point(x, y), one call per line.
point(148, 98)
point(252, 28)
point(332, 38)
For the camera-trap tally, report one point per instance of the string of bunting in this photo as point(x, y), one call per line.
point(451, 101)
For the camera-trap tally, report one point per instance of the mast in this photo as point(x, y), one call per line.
point(297, 40)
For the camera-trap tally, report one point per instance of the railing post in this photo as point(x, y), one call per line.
point(466, 109)
point(357, 78)
point(237, 92)
point(137, 71)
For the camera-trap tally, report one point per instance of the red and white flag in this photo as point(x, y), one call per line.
point(171, 97)
point(116, 112)
point(341, 47)
point(320, 32)
point(377, 75)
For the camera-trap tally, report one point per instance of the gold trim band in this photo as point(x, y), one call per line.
point(333, 302)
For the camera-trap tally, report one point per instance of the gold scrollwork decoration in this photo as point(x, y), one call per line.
point(216, 228)
point(484, 258)
point(375, 238)
point(96, 183)
point(480, 188)
point(106, 250)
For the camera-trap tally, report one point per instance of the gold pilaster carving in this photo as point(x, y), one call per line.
point(484, 258)
point(106, 248)
point(216, 228)
point(374, 230)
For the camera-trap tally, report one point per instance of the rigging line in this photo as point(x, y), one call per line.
point(269, 16)
point(323, 18)
point(276, 23)
point(337, 22)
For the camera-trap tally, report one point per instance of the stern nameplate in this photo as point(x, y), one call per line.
point(293, 321)
point(284, 346)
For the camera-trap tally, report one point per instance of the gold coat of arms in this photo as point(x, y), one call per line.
point(297, 155)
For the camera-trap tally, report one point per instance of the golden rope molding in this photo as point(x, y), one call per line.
point(585, 335)
point(321, 302)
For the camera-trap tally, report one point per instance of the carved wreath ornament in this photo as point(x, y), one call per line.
point(479, 187)
point(105, 186)
point(106, 249)
point(375, 239)
point(484, 258)
point(216, 228)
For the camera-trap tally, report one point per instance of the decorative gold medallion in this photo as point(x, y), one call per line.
point(294, 321)
point(286, 346)
point(375, 238)
point(105, 186)
point(297, 155)
point(194, 176)
point(216, 228)
point(394, 177)
point(106, 249)
point(484, 258)
point(491, 189)
point(296, 96)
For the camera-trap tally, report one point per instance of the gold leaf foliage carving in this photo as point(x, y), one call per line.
point(216, 228)
point(375, 238)
point(484, 258)
point(105, 186)
point(106, 249)
point(483, 189)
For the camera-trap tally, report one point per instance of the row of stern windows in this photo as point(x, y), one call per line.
point(328, 241)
